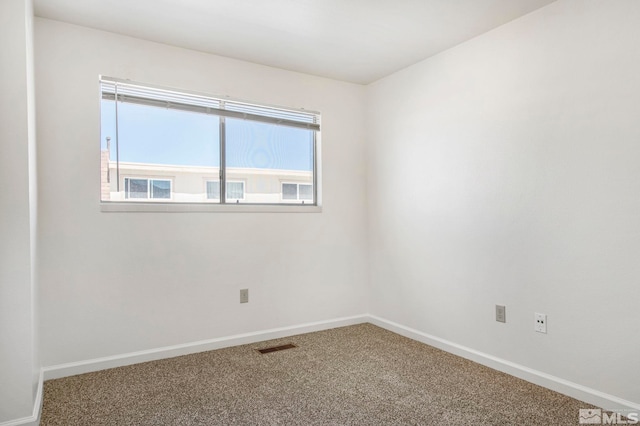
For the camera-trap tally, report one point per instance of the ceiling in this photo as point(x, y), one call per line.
point(358, 41)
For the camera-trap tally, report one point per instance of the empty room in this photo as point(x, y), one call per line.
point(330, 212)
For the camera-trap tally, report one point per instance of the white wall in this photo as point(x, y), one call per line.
point(113, 283)
point(507, 171)
point(19, 364)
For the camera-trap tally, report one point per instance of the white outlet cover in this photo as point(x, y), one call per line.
point(501, 313)
point(540, 324)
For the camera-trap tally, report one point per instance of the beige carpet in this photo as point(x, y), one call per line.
point(357, 375)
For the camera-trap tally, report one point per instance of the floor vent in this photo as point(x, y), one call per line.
point(276, 348)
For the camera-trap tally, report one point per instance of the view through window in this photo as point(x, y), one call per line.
point(161, 145)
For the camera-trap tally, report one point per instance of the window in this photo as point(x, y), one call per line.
point(241, 151)
point(213, 190)
point(235, 190)
point(297, 191)
point(145, 189)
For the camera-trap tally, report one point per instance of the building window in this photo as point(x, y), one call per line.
point(145, 189)
point(235, 190)
point(148, 132)
point(213, 190)
point(297, 191)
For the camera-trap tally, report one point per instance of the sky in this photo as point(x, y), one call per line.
point(148, 134)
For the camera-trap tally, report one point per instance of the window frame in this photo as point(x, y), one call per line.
point(231, 205)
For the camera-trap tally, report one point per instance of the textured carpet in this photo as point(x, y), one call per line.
point(356, 375)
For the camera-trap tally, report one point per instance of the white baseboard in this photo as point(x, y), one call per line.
point(34, 418)
point(80, 367)
point(574, 390)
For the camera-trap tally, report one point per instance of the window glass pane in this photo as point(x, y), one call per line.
point(289, 191)
point(213, 190)
point(153, 135)
point(157, 142)
point(235, 190)
point(138, 188)
point(305, 192)
point(264, 155)
point(161, 189)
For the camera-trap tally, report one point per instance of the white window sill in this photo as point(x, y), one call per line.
point(207, 208)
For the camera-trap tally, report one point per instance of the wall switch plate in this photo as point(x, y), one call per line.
point(540, 323)
point(244, 295)
point(501, 313)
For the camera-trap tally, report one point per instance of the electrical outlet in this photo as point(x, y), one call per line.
point(540, 324)
point(501, 313)
point(244, 295)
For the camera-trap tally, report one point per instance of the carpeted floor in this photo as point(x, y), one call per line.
point(356, 375)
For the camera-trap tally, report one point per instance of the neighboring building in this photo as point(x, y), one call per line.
point(193, 184)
